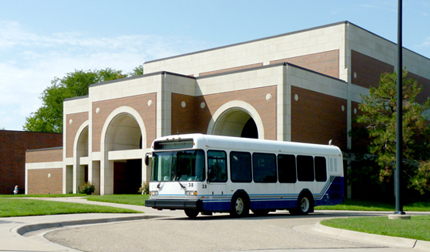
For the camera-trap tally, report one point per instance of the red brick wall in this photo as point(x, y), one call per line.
point(49, 155)
point(13, 145)
point(77, 120)
point(45, 181)
point(325, 62)
point(255, 97)
point(367, 69)
point(425, 83)
point(183, 118)
point(317, 118)
point(138, 102)
point(358, 143)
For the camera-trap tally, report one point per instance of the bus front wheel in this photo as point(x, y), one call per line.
point(191, 213)
point(239, 205)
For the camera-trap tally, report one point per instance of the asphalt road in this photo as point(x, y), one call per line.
point(278, 231)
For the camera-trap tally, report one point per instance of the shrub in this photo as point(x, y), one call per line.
point(144, 189)
point(87, 188)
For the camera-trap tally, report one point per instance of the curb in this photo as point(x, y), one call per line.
point(35, 227)
point(379, 239)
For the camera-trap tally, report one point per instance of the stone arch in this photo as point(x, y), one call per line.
point(123, 141)
point(77, 174)
point(232, 117)
point(120, 128)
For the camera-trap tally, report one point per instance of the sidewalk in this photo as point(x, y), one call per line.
point(13, 230)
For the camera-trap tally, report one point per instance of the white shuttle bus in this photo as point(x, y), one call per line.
point(206, 174)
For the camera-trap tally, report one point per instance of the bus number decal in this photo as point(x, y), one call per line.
point(204, 186)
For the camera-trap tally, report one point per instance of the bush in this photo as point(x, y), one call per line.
point(87, 188)
point(144, 189)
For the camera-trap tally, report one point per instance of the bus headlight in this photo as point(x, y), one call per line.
point(191, 193)
point(154, 193)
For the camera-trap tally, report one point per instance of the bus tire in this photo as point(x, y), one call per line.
point(305, 204)
point(191, 213)
point(239, 205)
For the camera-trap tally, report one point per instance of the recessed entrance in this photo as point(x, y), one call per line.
point(250, 129)
point(127, 176)
point(236, 122)
point(123, 142)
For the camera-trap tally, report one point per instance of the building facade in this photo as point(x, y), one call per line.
point(13, 147)
point(303, 86)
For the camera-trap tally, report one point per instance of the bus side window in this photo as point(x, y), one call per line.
point(264, 166)
point(320, 169)
point(217, 166)
point(305, 168)
point(240, 165)
point(287, 168)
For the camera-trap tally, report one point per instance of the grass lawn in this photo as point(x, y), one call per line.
point(131, 199)
point(359, 205)
point(415, 228)
point(40, 195)
point(10, 207)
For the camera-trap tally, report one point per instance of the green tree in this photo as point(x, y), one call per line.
point(379, 112)
point(137, 71)
point(49, 117)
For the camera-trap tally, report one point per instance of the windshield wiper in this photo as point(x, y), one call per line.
point(181, 184)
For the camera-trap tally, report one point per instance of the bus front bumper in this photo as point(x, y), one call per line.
point(174, 204)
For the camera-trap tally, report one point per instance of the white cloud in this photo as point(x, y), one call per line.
point(29, 61)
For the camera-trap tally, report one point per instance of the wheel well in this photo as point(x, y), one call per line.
point(307, 192)
point(244, 193)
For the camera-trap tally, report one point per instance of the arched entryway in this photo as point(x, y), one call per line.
point(77, 174)
point(124, 144)
point(238, 119)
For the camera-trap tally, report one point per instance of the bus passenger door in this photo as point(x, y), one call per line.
point(217, 174)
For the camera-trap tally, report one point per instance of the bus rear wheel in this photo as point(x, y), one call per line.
point(191, 213)
point(304, 205)
point(239, 205)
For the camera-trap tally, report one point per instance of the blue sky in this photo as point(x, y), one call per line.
point(40, 40)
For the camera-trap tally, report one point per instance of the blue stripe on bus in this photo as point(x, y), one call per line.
point(330, 194)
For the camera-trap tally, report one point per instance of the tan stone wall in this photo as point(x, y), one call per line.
point(138, 102)
point(256, 97)
point(183, 118)
point(50, 155)
point(45, 181)
point(317, 118)
point(72, 128)
point(231, 69)
point(325, 62)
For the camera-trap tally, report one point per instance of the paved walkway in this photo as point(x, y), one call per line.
point(26, 233)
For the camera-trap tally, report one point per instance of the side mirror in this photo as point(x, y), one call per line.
point(147, 159)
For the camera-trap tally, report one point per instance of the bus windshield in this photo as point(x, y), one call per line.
point(184, 165)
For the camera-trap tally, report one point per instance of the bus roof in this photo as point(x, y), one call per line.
point(254, 145)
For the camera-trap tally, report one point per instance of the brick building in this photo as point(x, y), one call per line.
point(302, 86)
point(13, 145)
